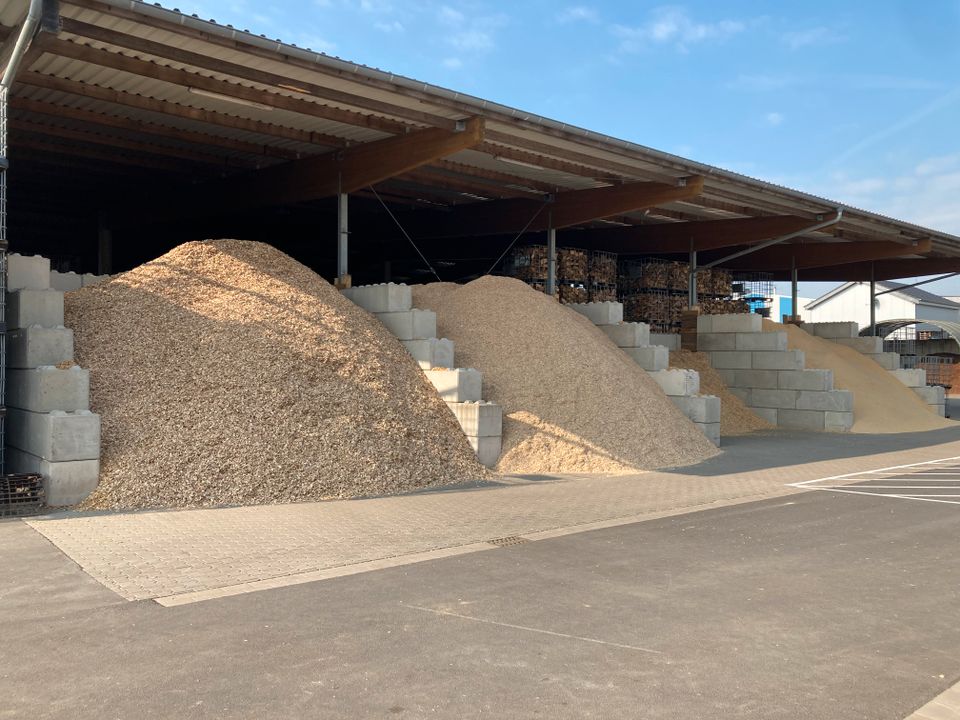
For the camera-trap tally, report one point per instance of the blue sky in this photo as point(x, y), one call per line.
point(857, 101)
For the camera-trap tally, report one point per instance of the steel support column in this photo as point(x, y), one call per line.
point(551, 259)
point(794, 315)
point(343, 236)
point(873, 301)
point(692, 298)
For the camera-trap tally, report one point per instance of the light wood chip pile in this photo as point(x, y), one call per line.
point(735, 417)
point(881, 403)
point(225, 372)
point(573, 401)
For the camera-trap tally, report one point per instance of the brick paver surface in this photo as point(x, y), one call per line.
point(157, 554)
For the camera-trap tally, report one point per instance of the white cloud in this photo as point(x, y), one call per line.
point(812, 37)
point(673, 26)
point(855, 81)
point(773, 118)
point(449, 16)
point(453, 63)
point(389, 27)
point(578, 13)
point(470, 34)
point(471, 40)
point(376, 7)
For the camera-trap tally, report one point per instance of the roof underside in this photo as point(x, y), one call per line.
point(126, 86)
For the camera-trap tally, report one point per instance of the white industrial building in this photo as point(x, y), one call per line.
point(851, 301)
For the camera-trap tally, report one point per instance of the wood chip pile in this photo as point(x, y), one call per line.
point(735, 417)
point(228, 373)
point(573, 402)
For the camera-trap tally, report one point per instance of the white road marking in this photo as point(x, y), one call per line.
point(926, 472)
point(868, 472)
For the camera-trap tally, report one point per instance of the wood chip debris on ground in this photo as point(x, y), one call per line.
point(573, 401)
point(227, 373)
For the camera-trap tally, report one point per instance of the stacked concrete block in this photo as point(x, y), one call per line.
point(833, 330)
point(651, 358)
point(431, 352)
point(88, 279)
point(600, 313)
point(935, 398)
point(457, 384)
point(482, 423)
point(846, 333)
point(28, 307)
point(912, 378)
point(771, 379)
point(382, 298)
point(671, 341)
point(410, 324)
point(628, 334)
point(27, 272)
point(65, 281)
point(677, 381)
point(683, 388)
point(35, 346)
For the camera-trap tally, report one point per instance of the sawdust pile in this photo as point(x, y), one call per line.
point(735, 417)
point(881, 403)
point(228, 373)
point(573, 402)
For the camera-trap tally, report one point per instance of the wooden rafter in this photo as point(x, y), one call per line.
point(816, 255)
point(882, 270)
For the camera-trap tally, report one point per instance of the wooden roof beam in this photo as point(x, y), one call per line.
point(882, 270)
point(817, 255)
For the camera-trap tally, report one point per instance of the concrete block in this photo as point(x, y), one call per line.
point(27, 272)
point(728, 375)
point(65, 483)
point(813, 380)
point(915, 378)
point(830, 401)
point(732, 323)
point(837, 421)
point(801, 419)
point(940, 410)
point(732, 360)
point(47, 388)
point(832, 330)
point(65, 282)
point(628, 334)
point(431, 352)
point(770, 341)
point(88, 279)
point(482, 419)
point(704, 324)
point(789, 360)
point(486, 448)
point(651, 358)
point(742, 393)
point(457, 385)
point(410, 324)
point(699, 408)
point(756, 379)
point(762, 397)
point(55, 436)
point(677, 381)
point(711, 430)
point(385, 297)
point(716, 342)
point(886, 360)
point(768, 414)
point(600, 313)
point(931, 394)
point(34, 307)
point(865, 345)
point(35, 346)
point(671, 341)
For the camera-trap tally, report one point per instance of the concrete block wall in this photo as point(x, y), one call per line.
point(771, 379)
point(460, 388)
point(50, 429)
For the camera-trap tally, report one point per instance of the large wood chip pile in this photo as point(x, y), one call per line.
point(573, 401)
point(228, 373)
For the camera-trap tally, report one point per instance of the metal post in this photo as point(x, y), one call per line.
point(342, 236)
point(551, 258)
point(793, 291)
point(692, 281)
point(873, 301)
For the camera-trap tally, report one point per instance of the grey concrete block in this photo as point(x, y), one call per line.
point(940, 410)
point(711, 430)
point(65, 282)
point(886, 360)
point(651, 358)
point(677, 381)
point(742, 393)
point(915, 378)
point(865, 345)
point(769, 341)
point(789, 360)
point(768, 414)
point(733, 323)
point(35, 346)
point(457, 385)
point(699, 408)
point(431, 352)
point(837, 421)
point(704, 324)
point(410, 324)
point(728, 375)
point(487, 449)
point(829, 401)
point(671, 341)
point(808, 379)
point(65, 483)
point(761, 397)
point(55, 436)
point(385, 297)
point(832, 330)
point(756, 379)
point(600, 313)
point(47, 388)
point(801, 419)
point(482, 419)
point(27, 272)
point(716, 342)
point(88, 279)
point(931, 394)
point(34, 307)
point(628, 334)
point(732, 360)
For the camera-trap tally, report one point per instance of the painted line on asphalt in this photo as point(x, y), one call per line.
point(806, 483)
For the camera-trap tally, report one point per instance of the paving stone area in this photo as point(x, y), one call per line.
point(160, 554)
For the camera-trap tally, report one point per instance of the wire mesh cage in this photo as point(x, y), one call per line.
point(755, 289)
point(21, 494)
